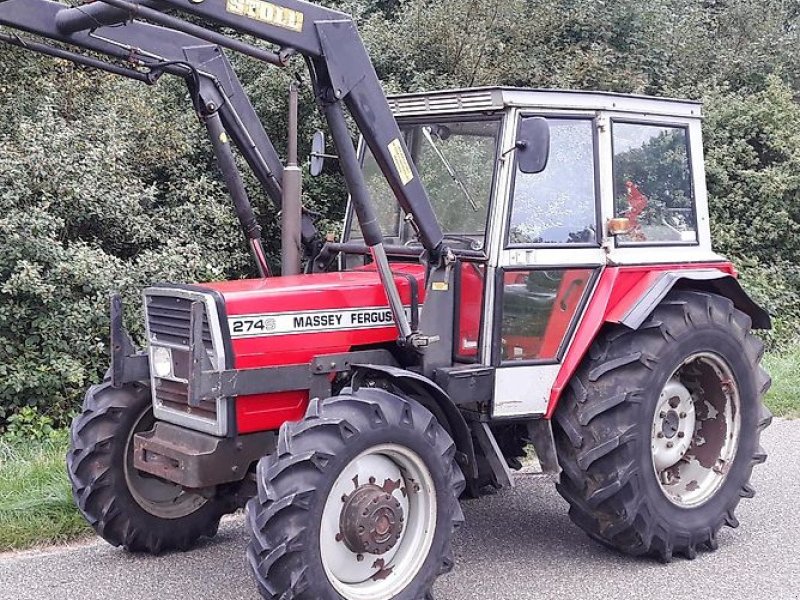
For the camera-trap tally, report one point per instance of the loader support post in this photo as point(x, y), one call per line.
point(291, 213)
point(233, 180)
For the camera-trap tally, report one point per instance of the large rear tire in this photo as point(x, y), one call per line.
point(659, 430)
point(358, 502)
point(125, 507)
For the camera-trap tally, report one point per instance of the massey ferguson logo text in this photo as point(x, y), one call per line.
point(310, 322)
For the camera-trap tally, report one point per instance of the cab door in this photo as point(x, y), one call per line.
point(547, 260)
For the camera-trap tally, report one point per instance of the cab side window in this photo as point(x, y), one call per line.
point(558, 205)
point(653, 184)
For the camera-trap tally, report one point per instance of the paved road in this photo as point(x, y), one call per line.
point(517, 545)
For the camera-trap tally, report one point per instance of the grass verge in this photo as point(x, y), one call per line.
point(783, 398)
point(36, 505)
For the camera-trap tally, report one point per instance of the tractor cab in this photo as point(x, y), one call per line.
point(623, 185)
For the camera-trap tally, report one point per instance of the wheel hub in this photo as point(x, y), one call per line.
point(371, 520)
point(670, 425)
point(673, 425)
point(696, 430)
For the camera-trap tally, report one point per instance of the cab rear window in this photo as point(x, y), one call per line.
point(653, 184)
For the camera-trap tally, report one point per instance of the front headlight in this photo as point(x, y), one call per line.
point(162, 362)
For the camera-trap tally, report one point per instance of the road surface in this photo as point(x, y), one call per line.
point(516, 545)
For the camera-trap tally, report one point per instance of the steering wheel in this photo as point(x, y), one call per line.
point(470, 243)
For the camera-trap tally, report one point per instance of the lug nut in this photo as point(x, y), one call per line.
point(670, 444)
point(660, 434)
point(662, 415)
point(359, 557)
point(682, 415)
point(681, 434)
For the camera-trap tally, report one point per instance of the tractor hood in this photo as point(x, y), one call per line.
point(289, 320)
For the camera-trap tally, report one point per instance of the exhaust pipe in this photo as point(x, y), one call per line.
point(291, 213)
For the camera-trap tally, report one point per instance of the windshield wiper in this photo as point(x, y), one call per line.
point(426, 131)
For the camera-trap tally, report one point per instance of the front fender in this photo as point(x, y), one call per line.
point(415, 384)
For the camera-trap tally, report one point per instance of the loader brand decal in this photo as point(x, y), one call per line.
point(266, 12)
point(315, 321)
point(401, 162)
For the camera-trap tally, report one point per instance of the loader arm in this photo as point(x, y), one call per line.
point(341, 73)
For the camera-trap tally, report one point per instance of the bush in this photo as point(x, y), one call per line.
point(102, 188)
point(753, 173)
point(108, 185)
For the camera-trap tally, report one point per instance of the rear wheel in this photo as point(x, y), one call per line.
point(659, 430)
point(359, 502)
point(126, 507)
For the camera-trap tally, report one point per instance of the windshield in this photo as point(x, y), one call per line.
point(456, 161)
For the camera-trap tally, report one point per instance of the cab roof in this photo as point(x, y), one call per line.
point(489, 99)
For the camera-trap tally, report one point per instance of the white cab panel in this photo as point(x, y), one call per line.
point(523, 390)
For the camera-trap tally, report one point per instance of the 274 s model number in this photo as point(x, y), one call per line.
point(252, 326)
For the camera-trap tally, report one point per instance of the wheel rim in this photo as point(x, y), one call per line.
point(378, 524)
point(158, 497)
point(696, 429)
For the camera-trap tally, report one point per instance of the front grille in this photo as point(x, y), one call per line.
point(168, 312)
point(169, 317)
point(173, 395)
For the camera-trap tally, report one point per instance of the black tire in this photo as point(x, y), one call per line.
point(604, 428)
point(284, 519)
point(97, 462)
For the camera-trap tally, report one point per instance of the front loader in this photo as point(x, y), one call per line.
point(517, 267)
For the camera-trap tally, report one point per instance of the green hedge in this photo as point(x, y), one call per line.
point(108, 185)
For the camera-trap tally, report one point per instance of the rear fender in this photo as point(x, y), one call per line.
point(641, 301)
point(616, 301)
point(426, 391)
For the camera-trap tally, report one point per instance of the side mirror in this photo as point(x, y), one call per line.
point(317, 153)
point(533, 145)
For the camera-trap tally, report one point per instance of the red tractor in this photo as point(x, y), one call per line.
point(517, 267)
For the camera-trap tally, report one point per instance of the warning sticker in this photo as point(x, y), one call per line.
point(267, 12)
point(314, 321)
point(401, 162)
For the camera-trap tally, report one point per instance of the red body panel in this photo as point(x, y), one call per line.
point(325, 291)
point(470, 309)
point(618, 289)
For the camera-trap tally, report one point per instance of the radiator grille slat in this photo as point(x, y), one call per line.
point(169, 320)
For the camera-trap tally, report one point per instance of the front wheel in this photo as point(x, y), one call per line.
point(128, 508)
point(358, 502)
point(659, 431)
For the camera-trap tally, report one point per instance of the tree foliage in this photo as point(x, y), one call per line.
point(105, 184)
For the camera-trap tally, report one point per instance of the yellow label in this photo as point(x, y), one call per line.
point(440, 286)
point(267, 12)
point(401, 162)
point(223, 137)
